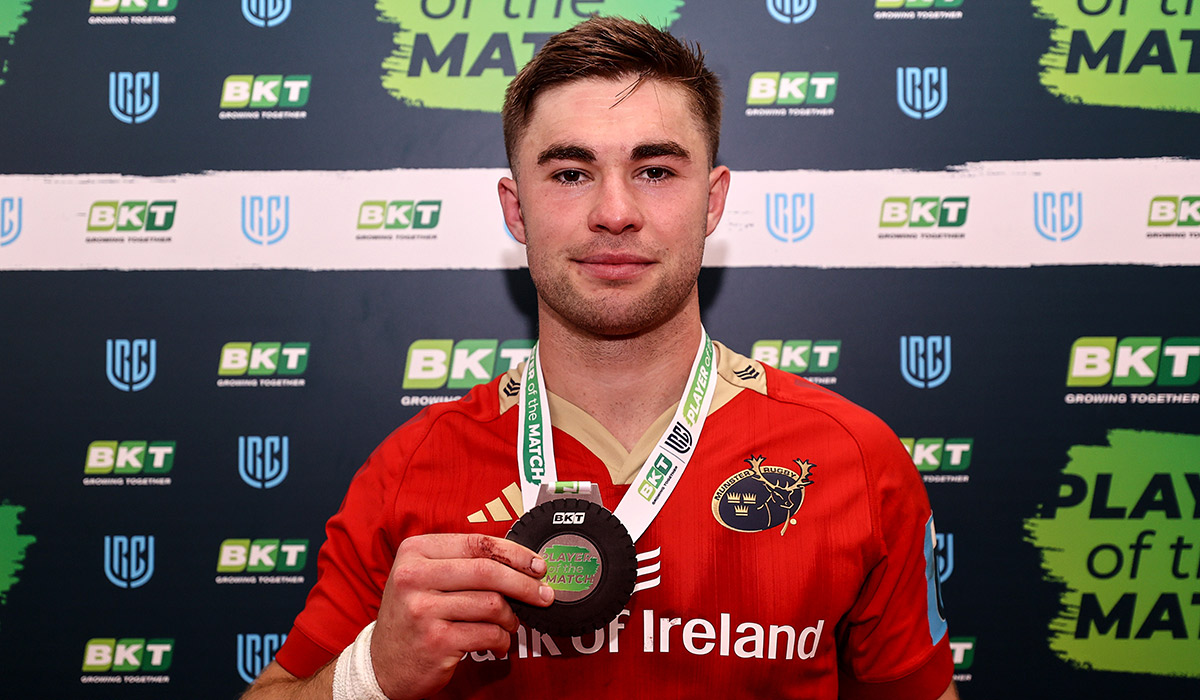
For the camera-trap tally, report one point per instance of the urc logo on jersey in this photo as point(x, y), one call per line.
point(922, 93)
point(1134, 361)
point(263, 359)
point(10, 219)
point(255, 652)
point(263, 460)
point(792, 88)
point(262, 556)
point(791, 11)
point(103, 654)
point(798, 356)
point(790, 217)
point(432, 364)
point(1058, 216)
point(128, 560)
point(130, 364)
point(131, 216)
point(133, 97)
point(924, 212)
point(266, 13)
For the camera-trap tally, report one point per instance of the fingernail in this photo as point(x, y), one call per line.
point(538, 566)
point(547, 594)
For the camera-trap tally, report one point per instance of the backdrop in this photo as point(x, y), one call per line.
point(243, 240)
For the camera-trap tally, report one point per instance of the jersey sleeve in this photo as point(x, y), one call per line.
point(894, 641)
point(352, 568)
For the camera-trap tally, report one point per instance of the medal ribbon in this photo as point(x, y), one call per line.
point(663, 468)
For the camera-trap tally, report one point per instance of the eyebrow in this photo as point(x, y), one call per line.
point(642, 151)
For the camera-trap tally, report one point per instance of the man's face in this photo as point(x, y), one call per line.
point(613, 202)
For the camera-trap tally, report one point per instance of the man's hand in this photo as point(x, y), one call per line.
point(445, 597)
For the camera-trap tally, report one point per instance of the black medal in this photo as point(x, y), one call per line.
point(590, 563)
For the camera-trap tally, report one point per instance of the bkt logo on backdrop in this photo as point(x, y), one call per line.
point(792, 88)
point(399, 214)
point(922, 93)
point(262, 556)
point(791, 11)
point(255, 652)
point(1134, 361)
point(127, 655)
point(10, 219)
point(266, 13)
point(263, 359)
point(263, 460)
point(1058, 216)
point(924, 212)
point(432, 364)
point(131, 216)
point(128, 559)
point(1170, 210)
point(939, 454)
point(798, 356)
point(265, 91)
point(963, 650)
point(133, 97)
point(916, 4)
point(130, 364)
point(130, 457)
point(790, 217)
point(265, 220)
point(132, 7)
point(925, 360)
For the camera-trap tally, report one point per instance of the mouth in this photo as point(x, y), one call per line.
point(614, 266)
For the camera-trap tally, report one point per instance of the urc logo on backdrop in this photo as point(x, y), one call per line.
point(791, 11)
point(128, 560)
point(130, 364)
point(103, 654)
point(1058, 216)
point(265, 220)
point(434, 363)
point(10, 219)
point(255, 652)
point(263, 460)
point(924, 212)
point(133, 97)
point(266, 13)
point(922, 93)
point(790, 217)
point(925, 360)
point(131, 216)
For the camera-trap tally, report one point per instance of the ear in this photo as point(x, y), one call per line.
point(510, 205)
point(718, 189)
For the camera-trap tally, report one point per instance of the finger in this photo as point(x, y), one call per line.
point(451, 575)
point(471, 606)
point(471, 546)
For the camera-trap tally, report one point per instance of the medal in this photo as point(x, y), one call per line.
point(590, 558)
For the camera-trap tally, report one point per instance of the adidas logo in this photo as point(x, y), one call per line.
point(747, 373)
point(506, 507)
point(647, 572)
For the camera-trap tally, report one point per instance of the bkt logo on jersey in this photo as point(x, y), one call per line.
point(132, 7)
point(916, 4)
point(944, 555)
point(798, 356)
point(939, 454)
point(790, 216)
point(131, 216)
point(1058, 216)
point(963, 649)
point(432, 364)
point(10, 219)
point(265, 91)
point(133, 97)
point(263, 460)
point(255, 652)
point(1134, 361)
point(1169, 210)
point(128, 560)
point(130, 364)
point(794, 88)
point(399, 214)
point(126, 655)
point(262, 556)
point(130, 457)
point(265, 219)
point(263, 359)
point(922, 93)
point(266, 13)
point(791, 11)
point(924, 212)
point(925, 360)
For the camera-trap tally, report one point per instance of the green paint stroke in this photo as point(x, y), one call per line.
point(461, 54)
point(1144, 57)
point(1112, 617)
point(12, 547)
point(12, 16)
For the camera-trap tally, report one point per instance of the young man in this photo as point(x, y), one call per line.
point(793, 559)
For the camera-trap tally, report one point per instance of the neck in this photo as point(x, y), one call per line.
point(623, 382)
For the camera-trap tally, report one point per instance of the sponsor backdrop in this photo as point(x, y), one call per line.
point(242, 240)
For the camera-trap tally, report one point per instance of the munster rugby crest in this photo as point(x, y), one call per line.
point(762, 497)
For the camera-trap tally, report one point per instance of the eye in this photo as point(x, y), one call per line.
point(656, 173)
point(569, 177)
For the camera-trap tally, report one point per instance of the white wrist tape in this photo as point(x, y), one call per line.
point(353, 674)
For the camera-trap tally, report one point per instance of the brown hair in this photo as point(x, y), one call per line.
point(613, 47)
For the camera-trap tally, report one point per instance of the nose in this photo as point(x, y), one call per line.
point(616, 208)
